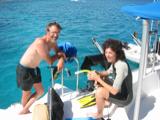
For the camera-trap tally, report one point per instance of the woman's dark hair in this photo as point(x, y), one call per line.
point(116, 46)
point(53, 24)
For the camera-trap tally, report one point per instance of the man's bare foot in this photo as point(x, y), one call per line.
point(24, 112)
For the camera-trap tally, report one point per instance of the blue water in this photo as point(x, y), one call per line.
point(21, 21)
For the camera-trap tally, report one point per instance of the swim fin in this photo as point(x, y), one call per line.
point(90, 103)
point(87, 101)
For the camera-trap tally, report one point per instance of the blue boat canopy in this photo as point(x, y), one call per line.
point(147, 11)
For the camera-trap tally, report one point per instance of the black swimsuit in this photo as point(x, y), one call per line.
point(26, 77)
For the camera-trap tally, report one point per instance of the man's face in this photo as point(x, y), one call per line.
point(53, 33)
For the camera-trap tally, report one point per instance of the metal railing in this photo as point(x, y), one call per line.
point(62, 76)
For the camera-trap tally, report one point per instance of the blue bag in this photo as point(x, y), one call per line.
point(69, 50)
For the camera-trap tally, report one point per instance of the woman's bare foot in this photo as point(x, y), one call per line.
point(107, 103)
point(24, 112)
point(95, 115)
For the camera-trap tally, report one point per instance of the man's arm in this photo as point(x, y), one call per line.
point(60, 64)
point(61, 56)
point(58, 52)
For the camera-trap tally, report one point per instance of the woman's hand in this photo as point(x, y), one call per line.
point(93, 76)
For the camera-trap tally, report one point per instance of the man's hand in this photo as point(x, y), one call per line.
point(61, 55)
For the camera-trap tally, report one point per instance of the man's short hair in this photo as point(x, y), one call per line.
point(53, 24)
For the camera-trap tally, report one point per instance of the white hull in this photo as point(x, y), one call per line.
point(134, 52)
point(150, 103)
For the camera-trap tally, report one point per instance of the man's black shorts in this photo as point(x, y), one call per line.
point(26, 77)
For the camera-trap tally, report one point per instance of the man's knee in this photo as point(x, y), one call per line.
point(40, 92)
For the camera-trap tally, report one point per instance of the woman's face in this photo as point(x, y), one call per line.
point(110, 55)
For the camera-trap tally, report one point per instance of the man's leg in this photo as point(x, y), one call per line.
point(25, 97)
point(38, 92)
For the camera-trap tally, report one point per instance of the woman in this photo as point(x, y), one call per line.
point(116, 73)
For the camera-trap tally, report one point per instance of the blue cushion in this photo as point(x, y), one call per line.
point(69, 50)
point(87, 118)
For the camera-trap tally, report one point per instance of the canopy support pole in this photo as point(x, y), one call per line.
point(142, 67)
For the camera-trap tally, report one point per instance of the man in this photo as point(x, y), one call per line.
point(28, 73)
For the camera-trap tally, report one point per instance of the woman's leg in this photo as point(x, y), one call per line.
point(101, 96)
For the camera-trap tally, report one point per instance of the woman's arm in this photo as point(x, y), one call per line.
point(94, 76)
point(104, 73)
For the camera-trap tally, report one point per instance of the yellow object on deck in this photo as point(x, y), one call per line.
point(87, 101)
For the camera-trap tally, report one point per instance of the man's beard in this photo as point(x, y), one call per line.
point(53, 40)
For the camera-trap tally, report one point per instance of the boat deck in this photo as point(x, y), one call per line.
point(72, 110)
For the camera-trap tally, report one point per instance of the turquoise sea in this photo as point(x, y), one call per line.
point(21, 21)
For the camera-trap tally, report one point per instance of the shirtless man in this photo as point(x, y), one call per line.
point(28, 73)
